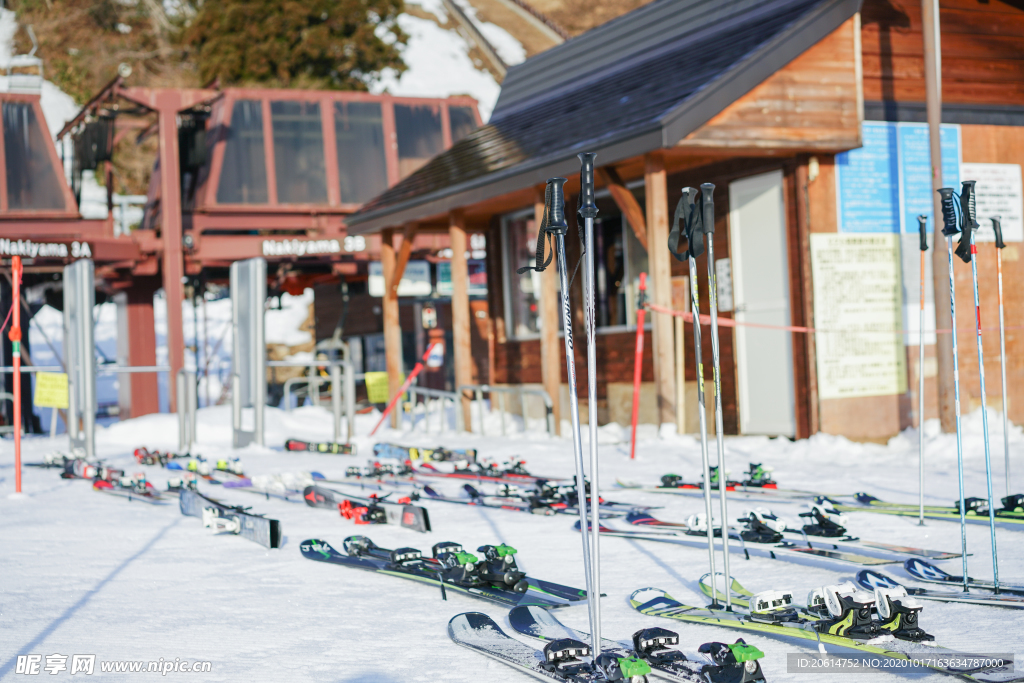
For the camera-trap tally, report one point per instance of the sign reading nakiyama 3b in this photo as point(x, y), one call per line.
point(30, 249)
point(312, 247)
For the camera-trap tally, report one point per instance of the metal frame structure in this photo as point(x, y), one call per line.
point(249, 350)
point(79, 355)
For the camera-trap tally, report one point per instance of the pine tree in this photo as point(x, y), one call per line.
point(336, 44)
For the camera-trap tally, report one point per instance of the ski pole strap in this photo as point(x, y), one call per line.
point(548, 226)
point(997, 227)
point(968, 223)
point(922, 226)
point(686, 224)
point(949, 221)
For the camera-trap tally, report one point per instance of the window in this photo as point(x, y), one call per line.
point(522, 292)
point(362, 168)
point(462, 122)
point(31, 179)
point(419, 136)
point(298, 152)
point(243, 177)
point(619, 258)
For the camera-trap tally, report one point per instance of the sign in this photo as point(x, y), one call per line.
point(429, 317)
point(377, 387)
point(998, 194)
point(51, 390)
point(723, 284)
point(300, 247)
point(857, 288)
point(436, 357)
point(885, 184)
point(415, 280)
point(30, 249)
point(477, 278)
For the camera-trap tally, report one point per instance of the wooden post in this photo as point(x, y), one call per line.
point(392, 328)
point(173, 264)
point(680, 302)
point(656, 193)
point(462, 352)
point(552, 352)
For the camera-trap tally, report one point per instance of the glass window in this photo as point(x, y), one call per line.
point(31, 179)
point(522, 292)
point(462, 122)
point(298, 152)
point(243, 176)
point(362, 168)
point(419, 136)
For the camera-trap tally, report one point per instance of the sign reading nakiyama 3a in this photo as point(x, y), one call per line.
point(30, 249)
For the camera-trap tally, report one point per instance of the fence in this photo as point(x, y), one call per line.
point(441, 399)
point(480, 389)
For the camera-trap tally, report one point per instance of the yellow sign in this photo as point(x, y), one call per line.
point(51, 390)
point(377, 387)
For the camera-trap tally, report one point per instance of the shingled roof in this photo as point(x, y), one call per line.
point(638, 83)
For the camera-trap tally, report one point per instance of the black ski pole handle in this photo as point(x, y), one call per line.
point(997, 227)
point(949, 222)
point(556, 207)
point(922, 226)
point(968, 219)
point(587, 205)
point(707, 200)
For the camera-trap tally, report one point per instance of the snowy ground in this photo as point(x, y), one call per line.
point(86, 573)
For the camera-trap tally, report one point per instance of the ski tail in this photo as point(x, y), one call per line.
point(868, 579)
point(926, 571)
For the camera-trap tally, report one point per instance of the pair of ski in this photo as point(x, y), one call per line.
point(976, 508)
point(231, 519)
point(565, 654)
point(325, 447)
point(372, 510)
point(439, 454)
point(535, 506)
point(131, 489)
point(513, 472)
point(658, 603)
point(870, 580)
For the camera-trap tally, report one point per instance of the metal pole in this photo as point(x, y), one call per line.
point(968, 212)
point(708, 220)
point(922, 222)
point(1000, 245)
point(86, 294)
point(950, 228)
point(336, 401)
point(588, 211)
point(480, 409)
point(182, 414)
point(350, 400)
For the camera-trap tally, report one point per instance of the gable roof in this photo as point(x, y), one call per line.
point(638, 83)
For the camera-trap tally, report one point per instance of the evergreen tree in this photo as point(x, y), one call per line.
point(338, 44)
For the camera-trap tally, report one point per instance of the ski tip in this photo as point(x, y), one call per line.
point(642, 596)
point(316, 476)
point(869, 579)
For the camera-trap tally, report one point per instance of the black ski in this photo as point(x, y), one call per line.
point(230, 518)
point(870, 580)
point(371, 510)
point(329, 447)
point(929, 573)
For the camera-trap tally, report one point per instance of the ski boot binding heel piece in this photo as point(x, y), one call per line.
point(736, 663)
point(562, 657)
point(898, 614)
point(773, 607)
point(761, 527)
point(356, 546)
point(826, 522)
point(844, 610)
point(671, 481)
point(1014, 503)
point(457, 566)
point(613, 666)
point(499, 567)
point(760, 475)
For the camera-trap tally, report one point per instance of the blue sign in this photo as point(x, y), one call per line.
point(884, 185)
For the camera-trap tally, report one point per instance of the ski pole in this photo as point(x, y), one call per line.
point(687, 218)
point(968, 214)
point(708, 219)
point(15, 337)
point(588, 211)
point(639, 360)
point(405, 385)
point(949, 229)
point(556, 225)
point(922, 222)
point(997, 227)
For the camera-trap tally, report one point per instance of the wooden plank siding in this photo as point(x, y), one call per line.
point(982, 55)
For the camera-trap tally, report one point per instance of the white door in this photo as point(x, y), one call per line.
point(760, 271)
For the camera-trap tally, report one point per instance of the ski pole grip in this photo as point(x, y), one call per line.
point(968, 206)
point(922, 226)
point(556, 207)
point(588, 207)
point(997, 227)
point(949, 226)
point(707, 197)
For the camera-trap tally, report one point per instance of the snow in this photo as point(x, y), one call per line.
point(89, 573)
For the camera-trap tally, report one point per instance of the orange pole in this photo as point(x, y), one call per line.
point(638, 362)
point(15, 336)
point(405, 386)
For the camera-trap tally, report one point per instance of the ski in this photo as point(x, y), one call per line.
point(130, 489)
point(329, 447)
point(372, 510)
point(973, 506)
point(512, 472)
point(560, 660)
point(548, 495)
point(869, 580)
point(495, 579)
point(696, 490)
point(1013, 520)
point(230, 518)
point(929, 573)
point(656, 602)
point(714, 662)
point(390, 450)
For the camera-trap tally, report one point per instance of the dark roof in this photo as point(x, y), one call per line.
point(638, 83)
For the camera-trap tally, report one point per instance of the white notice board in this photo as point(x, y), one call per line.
point(999, 194)
point(858, 288)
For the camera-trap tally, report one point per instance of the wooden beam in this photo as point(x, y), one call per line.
point(463, 351)
point(408, 234)
point(656, 193)
point(626, 202)
point(552, 352)
point(392, 328)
